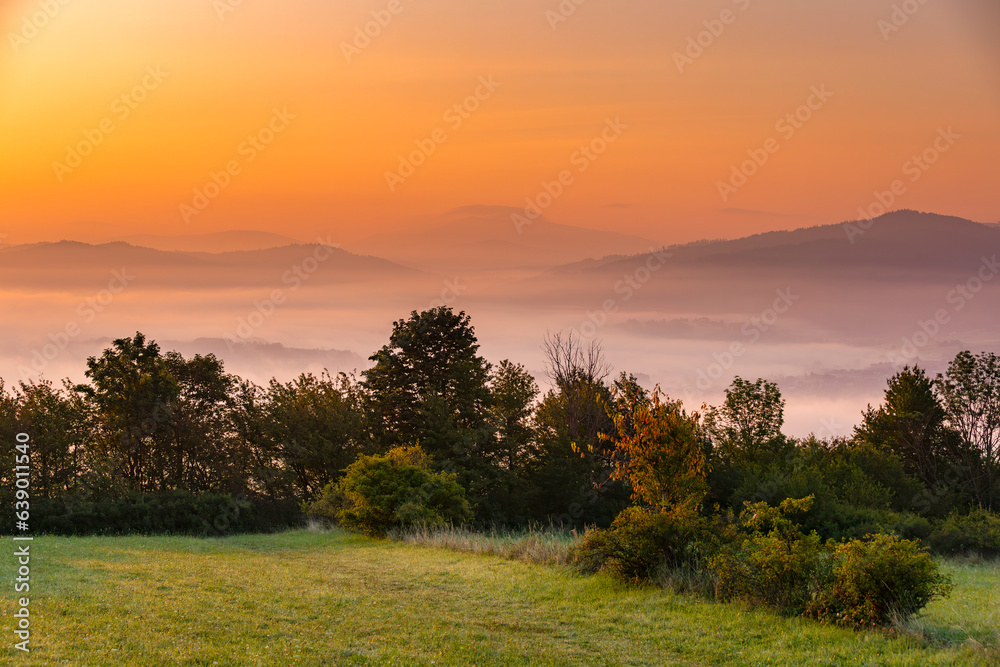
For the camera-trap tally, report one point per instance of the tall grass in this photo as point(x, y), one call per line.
point(536, 545)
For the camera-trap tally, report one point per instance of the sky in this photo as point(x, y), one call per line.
point(120, 117)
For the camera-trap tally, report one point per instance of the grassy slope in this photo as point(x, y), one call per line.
point(311, 599)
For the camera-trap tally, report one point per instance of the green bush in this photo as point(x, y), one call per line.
point(394, 490)
point(877, 580)
point(765, 558)
point(851, 522)
point(169, 512)
point(977, 532)
point(641, 543)
point(911, 527)
point(866, 582)
point(775, 564)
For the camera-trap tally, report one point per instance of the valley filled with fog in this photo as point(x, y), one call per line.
point(828, 312)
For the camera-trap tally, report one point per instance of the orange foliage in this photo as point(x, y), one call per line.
point(659, 450)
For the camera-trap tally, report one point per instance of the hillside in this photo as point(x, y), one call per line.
point(902, 241)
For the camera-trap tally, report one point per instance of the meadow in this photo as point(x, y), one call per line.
point(331, 598)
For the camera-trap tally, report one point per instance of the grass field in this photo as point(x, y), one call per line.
point(304, 598)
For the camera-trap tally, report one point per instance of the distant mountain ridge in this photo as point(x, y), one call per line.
point(217, 242)
point(920, 246)
point(831, 284)
point(898, 241)
point(72, 264)
point(476, 238)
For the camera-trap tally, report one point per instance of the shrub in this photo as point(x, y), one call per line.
point(977, 532)
point(766, 559)
point(641, 543)
point(852, 522)
point(868, 582)
point(175, 512)
point(878, 580)
point(394, 490)
point(912, 527)
point(328, 506)
point(775, 564)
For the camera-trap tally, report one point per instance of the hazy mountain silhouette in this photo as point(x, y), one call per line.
point(70, 264)
point(252, 359)
point(475, 238)
point(898, 241)
point(262, 360)
point(213, 243)
point(905, 267)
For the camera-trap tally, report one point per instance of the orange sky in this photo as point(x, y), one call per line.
point(222, 78)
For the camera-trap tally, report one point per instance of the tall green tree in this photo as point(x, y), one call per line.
point(911, 423)
point(570, 479)
point(204, 454)
point(57, 427)
point(746, 447)
point(512, 407)
point(429, 386)
point(8, 431)
point(748, 425)
point(313, 430)
point(251, 428)
point(970, 391)
point(134, 394)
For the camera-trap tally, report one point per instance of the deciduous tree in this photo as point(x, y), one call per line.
point(660, 453)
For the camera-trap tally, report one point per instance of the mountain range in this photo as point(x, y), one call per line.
point(902, 241)
point(487, 238)
point(74, 265)
point(217, 242)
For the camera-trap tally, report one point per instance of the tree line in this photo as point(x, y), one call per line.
point(149, 422)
